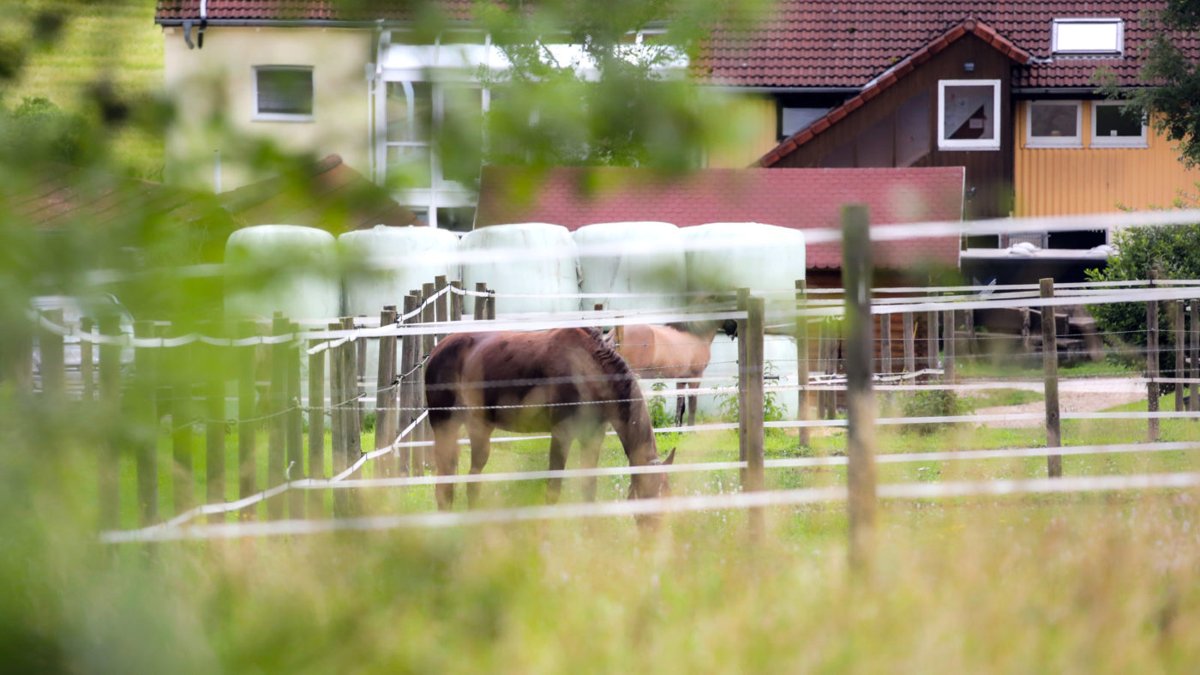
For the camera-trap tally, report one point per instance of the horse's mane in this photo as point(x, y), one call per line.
point(624, 382)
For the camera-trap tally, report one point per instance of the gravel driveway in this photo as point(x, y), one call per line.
point(1079, 395)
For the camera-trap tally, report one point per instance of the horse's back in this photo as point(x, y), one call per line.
point(514, 380)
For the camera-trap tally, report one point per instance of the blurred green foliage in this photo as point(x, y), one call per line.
point(1175, 253)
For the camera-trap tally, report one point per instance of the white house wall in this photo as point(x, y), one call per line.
point(220, 76)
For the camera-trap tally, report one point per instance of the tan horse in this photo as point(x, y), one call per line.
point(568, 382)
point(670, 352)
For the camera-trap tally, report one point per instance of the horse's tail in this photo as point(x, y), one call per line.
point(442, 371)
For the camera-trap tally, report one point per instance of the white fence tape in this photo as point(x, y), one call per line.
point(668, 505)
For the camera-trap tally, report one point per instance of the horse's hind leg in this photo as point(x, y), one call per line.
point(680, 402)
point(560, 443)
point(481, 449)
point(445, 454)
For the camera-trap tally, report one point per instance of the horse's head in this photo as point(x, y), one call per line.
point(651, 486)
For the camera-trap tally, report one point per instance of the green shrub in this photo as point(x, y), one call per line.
point(933, 403)
point(660, 417)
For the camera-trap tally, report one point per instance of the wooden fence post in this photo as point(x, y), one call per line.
point(1050, 382)
point(183, 479)
point(19, 364)
point(110, 393)
point(385, 392)
point(752, 380)
point(1152, 362)
point(214, 418)
point(969, 319)
point(885, 344)
point(802, 360)
point(491, 305)
point(408, 386)
point(353, 428)
point(950, 348)
point(910, 347)
point(480, 301)
point(743, 300)
point(295, 423)
point(931, 340)
point(860, 399)
point(338, 420)
point(1180, 335)
point(456, 301)
point(247, 391)
point(277, 422)
point(428, 315)
point(50, 347)
point(142, 393)
point(87, 359)
point(1026, 331)
point(316, 423)
point(441, 306)
point(1194, 388)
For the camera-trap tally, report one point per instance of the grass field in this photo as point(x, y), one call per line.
point(115, 41)
point(1065, 583)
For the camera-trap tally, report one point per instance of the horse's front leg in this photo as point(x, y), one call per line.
point(589, 458)
point(481, 449)
point(693, 401)
point(560, 443)
point(445, 454)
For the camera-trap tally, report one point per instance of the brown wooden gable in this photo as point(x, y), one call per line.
point(897, 126)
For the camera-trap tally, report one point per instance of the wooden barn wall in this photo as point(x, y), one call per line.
point(989, 174)
point(1072, 181)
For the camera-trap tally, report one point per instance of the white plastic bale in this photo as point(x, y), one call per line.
point(384, 263)
point(551, 276)
point(635, 257)
point(767, 259)
point(282, 268)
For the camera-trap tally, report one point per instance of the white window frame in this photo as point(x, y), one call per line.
point(1075, 141)
point(1098, 141)
point(257, 116)
point(441, 193)
point(1057, 48)
point(944, 143)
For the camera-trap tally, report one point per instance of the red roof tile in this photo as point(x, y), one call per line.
point(801, 43)
point(833, 43)
point(172, 11)
point(796, 198)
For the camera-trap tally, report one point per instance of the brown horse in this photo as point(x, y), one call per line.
point(673, 351)
point(567, 382)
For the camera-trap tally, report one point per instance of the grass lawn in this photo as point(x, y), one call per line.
point(114, 41)
point(1061, 583)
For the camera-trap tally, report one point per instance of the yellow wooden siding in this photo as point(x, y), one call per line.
point(1064, 181)
point(751, 133)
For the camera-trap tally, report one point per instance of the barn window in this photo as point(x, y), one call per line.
point(283, 93)
point(969, 115)
point(1115, 126)
point(793, 120)
point(1088, 37)
point(1053, 124)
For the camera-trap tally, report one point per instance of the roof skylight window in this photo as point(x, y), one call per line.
point(1088, 37)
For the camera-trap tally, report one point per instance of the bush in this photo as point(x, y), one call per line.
point(1175, 252)
point(660, 417)
point(933, 403)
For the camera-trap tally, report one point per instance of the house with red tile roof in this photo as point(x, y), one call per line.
point(1005, 90)
point(1008, 90)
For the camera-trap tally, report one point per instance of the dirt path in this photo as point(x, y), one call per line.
point(1083, 395)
